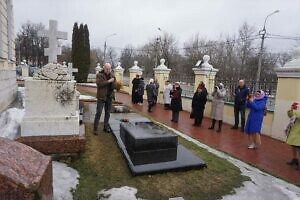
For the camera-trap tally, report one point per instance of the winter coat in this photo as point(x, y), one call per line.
point(151, 92)
point(294, 133)
point(198, 102)
point(104, 88)
point(141, 87)
point(241, 95)
point(167, 90)
point(176, 102)
point(135, 84)
point(256, 115)
point(218, 104)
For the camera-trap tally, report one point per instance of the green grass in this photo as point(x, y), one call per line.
point(102, 166)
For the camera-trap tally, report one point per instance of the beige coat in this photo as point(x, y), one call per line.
point(218, 104)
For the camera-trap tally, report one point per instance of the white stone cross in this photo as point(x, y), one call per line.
point(71, 70)
point(53, 36)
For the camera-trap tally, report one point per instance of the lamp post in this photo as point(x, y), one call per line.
point(158, 39)
point(263, 35)
point(106, 45)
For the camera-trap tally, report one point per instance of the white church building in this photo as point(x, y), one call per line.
point(8, 86)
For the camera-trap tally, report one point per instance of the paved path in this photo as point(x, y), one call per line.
point(270, 157)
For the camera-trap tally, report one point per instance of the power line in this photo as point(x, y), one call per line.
point(213, 44)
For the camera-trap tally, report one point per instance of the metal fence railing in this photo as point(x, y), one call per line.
point(268, 86)
point(187, 85)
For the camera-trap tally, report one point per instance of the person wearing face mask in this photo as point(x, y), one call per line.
point(104, 81)
point(218, 95)
point(176, 103)
point(257, 105)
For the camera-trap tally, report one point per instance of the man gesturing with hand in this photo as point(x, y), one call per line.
point(104, 80)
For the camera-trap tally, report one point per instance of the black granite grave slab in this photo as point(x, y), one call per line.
point(185, 159)
point(147, 143)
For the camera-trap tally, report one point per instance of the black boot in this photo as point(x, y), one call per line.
point(220, 126)
point(212, 124)
point(294, 161)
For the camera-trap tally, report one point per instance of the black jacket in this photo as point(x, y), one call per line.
point(199, 101)
point(241, 95)
point(176, 102)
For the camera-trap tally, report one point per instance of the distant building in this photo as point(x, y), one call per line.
point(8, 86)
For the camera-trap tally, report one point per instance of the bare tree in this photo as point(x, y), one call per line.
point(29, 46)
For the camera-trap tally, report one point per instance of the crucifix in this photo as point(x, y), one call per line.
point(72, 70)
point(53, 36)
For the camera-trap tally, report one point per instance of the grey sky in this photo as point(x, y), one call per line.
point(136, 21)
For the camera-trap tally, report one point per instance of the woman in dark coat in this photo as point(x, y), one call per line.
point(135, 86)
point(141, 88)
point(198, 103)
point(255, 118)
point(176, 103)
point(151, 93)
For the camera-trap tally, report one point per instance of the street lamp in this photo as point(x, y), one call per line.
point(263, 34)
point(105, 46)
point(158, 40)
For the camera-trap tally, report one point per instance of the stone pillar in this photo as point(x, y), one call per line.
point(98, 68)
point(205, 73)
point(161, 74)
point(288, 91)
point(133, 71)
point(118, 71)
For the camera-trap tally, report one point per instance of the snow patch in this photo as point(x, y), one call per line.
point(87, 84)
point(10, 121)
point(122, 193)
point(65, 179)
point(86, 97)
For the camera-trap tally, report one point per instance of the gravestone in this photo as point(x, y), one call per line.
point(25, 174)
point(147, 143)
point(51, 121)
point(149, 148)
point(71, 70)
point(92, 77)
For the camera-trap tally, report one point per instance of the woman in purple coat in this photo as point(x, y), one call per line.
point(255, 118)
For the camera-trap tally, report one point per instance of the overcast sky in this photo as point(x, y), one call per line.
point(136, 21)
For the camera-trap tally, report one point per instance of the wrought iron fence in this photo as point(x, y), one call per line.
point(187, 85)
point(268, 86)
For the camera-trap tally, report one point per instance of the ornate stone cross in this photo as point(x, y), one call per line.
point(53, 36)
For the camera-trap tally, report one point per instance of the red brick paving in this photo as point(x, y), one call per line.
point(270, 157)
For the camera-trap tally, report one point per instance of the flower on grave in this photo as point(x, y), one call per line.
point(64, 94)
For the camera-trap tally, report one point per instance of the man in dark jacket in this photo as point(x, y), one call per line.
point(240, 97)
point(104, 80)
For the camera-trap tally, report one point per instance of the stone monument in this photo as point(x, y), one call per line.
point(92, 77)
point(25, 69)
point(133, 71)
point(161, 74)
point(206, 73)
point(51, 121)
point(24, 172)
point(118, 71)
